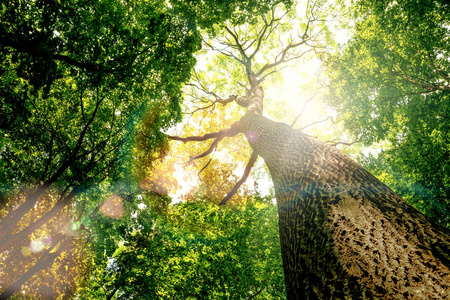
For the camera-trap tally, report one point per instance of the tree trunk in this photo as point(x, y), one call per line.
point(343, 233)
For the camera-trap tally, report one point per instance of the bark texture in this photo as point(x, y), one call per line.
point(343, 233)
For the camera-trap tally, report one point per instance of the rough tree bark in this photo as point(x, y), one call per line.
point(344, 234)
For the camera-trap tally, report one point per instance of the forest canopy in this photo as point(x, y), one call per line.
point(109, 109)
point(391, 83)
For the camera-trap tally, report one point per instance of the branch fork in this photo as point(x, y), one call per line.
point(234, 130)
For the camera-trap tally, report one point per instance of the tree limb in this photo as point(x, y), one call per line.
point(210, 149)
point(229, 132)
point(238, 45)
point(14, 239)
point(427, 86)
point(224, 52)
point(46, 260)
point(262, 34)
point(205, 166)
point(272, 72)
point(282, 56)
point(244, 177)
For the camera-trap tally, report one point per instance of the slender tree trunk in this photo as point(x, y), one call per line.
point(11, 239)
point(343, 233)
point(46, 260)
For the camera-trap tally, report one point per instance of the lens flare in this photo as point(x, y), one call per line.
point(47, 240)
point(113, 207)
point(252, 136)
point(36, 246)
point(26, 251)
point(75, 226)
point(71, 228)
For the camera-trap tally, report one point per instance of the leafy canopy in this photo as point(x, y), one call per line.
point(77, 79)
point(392, 82)
point(198, 251)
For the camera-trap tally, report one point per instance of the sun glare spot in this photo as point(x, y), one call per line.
point(36, 246)
point(71, 228)
point(252, 136)
point(26, 251)
point(47, 240)
point(75, 226)
point(186, 180)
point(113, 207)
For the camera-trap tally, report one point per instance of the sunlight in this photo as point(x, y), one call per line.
point(141, 144)
point(299, 86)
point(37, 245)
point(186, 182)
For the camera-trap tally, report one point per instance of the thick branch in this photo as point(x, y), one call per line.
point(76, 63)
point(210, 149)
point(420, 82)
point(427, 86)
point(34, 50)
point(229, 132)
point(244, 177)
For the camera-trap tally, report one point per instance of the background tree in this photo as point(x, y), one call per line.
point(391, 83)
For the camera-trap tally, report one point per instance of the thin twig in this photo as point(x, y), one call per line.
point(321, 121)
point(207, 164)
point(303, 109)
point(341, 143)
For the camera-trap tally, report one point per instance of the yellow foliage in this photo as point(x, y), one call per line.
point(51, 253)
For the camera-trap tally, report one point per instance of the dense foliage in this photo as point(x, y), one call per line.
point(85, 86)
point(197, 251)
point(76, 78)
point(392, 82)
